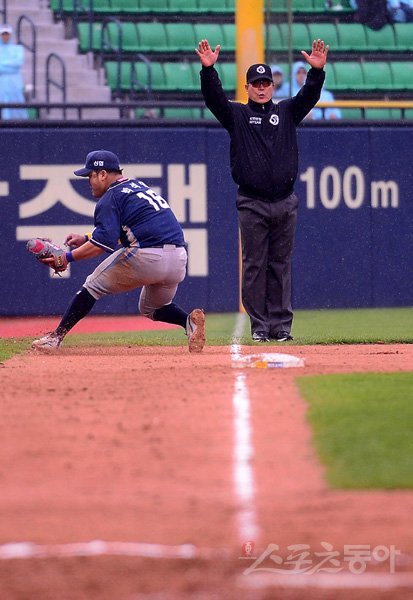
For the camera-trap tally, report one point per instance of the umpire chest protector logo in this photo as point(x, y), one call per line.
point(274, 119)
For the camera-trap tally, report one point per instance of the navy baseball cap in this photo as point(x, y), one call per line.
point(98, 160)
point(259, 71)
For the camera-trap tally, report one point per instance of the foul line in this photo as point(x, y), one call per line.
point(243, 453)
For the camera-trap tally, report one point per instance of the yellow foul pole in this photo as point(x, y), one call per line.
point(249, 20)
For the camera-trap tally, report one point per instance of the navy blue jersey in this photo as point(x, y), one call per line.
point(131, 213)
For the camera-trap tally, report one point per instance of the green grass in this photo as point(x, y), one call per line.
point(363, 428)
point(10, 347)
point(310, 327)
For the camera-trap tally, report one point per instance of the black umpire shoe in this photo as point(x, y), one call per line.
point(260, 336)
point(282, 336)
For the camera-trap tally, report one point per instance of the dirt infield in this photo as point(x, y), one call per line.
point(160, 453)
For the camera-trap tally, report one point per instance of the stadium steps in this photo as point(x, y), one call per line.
point(82, 80)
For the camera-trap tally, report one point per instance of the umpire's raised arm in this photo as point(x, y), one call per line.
point(211, 86)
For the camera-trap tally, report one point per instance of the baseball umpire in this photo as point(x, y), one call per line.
point(152, 254)
point(264, 165)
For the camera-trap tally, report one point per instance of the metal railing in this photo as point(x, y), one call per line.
point(128, 111)
point(50, 82)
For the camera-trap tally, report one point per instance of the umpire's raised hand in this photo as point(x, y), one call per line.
point(318, 56)
point(207, 56)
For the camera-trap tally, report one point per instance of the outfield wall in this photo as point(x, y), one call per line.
point(354, 237)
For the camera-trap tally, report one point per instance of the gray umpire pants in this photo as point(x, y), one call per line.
point(267, 240)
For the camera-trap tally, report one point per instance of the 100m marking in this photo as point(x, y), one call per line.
point(351, 188)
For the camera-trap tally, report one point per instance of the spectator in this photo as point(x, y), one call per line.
point(281, 87)
point(298, 80)
point(371, 14)
point(11, 81)
point(399, 11)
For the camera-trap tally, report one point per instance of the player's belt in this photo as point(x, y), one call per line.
point(164, 246)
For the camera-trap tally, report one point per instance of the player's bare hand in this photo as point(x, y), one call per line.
point(318, 56)
point(74, 240)
point(207, 56)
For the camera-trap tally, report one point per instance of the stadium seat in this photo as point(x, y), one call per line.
point(377, 76)
point(152, 37)
point(126, 6)
point(408, 113)
point(152, 6)
point(216, 6)
point(111, 71)
point(302, 6)
point(183, 6)
point(275, 42)
point(380, 39)
point(402, 75)
point(155, 79)
point(330, 79)
point(351, 37)
point(179, 77)
point(326, 32)
point(349, 77)
point(300, 36)
point(180, 37)
point(83, 33)
point(127, 34)
point(383, 114)
point(209, 31)
point(182, 113)
point(278, 6)
point(228, 75)
point(351, 113)
point(229, 33)
point(403, 34)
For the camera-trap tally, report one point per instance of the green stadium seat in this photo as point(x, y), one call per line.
point(351, 113)
point(126, 6)
point(278, 6)
point(408, 113)
point(300, 36)
point(182, 113)
point(274, 41)
point(152, 37)
point(377, 76)
point(349, 77)
point(302, 6)
point(383, 114)
point(153, 6)
point(209, 31)
point(180, 37)
point(330, 79)
point(228, 76)
point(402, 74)
point(83, 33)
point(380, 39)
point(183, 6)
point(326, 32)
point(351, 37)
point(157, 76)
point(103, 7)
point(231, 6)
point(403, 34)
point(113, 35)
point(180, 77)
point(229, 39)
point(111, 71)
point(213, 6)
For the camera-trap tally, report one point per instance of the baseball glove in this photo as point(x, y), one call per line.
point(44, 250)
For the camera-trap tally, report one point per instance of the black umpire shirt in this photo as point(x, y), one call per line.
point(264, 153)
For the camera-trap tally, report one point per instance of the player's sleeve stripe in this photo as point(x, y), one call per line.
point(106, 248)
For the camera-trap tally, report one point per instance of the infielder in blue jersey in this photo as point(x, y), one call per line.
point(151, 255)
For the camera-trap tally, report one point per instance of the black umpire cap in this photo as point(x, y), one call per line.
point(259, 71)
